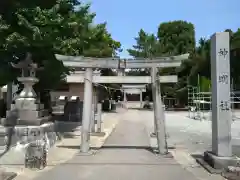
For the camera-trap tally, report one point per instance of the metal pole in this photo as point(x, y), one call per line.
point(160, 121)
point(87, 110)
point(99, 117)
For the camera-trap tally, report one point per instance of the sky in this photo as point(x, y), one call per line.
point(126, 17)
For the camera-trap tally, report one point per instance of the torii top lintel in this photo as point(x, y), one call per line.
point(88, 62)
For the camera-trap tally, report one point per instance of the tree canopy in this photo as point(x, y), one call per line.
point(45, 28)
point(173, 38)
point(178, 37)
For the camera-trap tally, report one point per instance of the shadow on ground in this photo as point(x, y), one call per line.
point(140, 109)
point(67, 129)
point(110, 112)
point(147, 148)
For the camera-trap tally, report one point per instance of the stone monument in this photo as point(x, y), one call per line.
point(221, 155)
point(30, 111)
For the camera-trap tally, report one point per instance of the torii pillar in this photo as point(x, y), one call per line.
point(87, 111)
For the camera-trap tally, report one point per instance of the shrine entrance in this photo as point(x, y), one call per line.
point(121, 65)
point(133, 93)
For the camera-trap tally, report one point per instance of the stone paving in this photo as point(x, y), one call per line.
point(125, 155)
point(62, 152)
point(187, 137)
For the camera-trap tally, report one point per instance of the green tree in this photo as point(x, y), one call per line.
point(202, 58)
point(173, 38)
point(176, 37)
point(146, 45)
point(62, 26)
point(45, 28)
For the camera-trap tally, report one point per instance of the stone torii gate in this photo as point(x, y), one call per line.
point(134, 89)
point(120, 64)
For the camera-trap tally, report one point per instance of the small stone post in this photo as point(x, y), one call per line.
point(93, 119)
point(141, 99)
point(99, 118)
point(99, 132)
point(125, 98)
